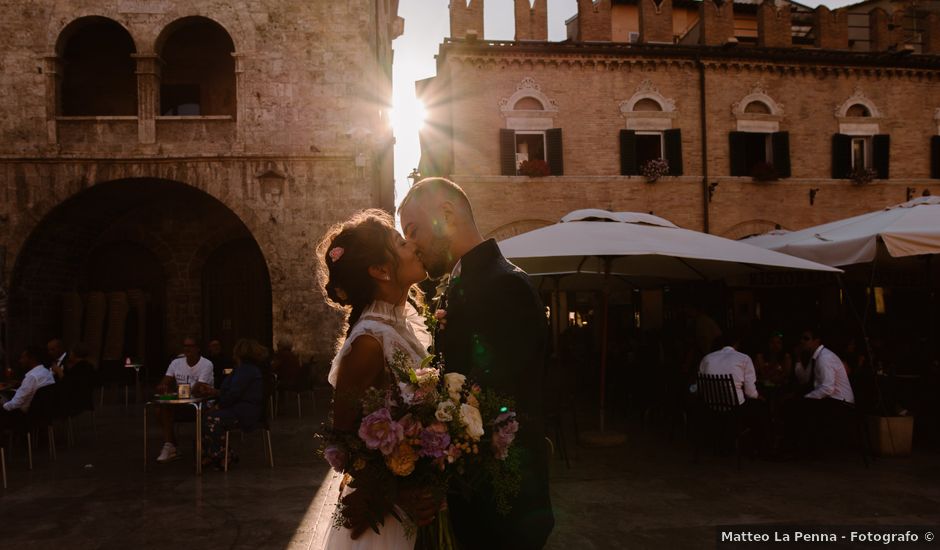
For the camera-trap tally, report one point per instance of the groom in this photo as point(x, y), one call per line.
point(495, 335)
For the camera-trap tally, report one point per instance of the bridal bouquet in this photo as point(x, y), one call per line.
point(423, 432)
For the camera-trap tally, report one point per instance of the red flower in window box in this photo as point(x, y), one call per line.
point(863, 176)
point(534, 168)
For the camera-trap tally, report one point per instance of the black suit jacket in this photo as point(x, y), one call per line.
point(496, 335)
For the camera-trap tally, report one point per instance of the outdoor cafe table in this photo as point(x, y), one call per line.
point(195, 402)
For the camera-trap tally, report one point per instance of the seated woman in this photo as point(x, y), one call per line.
point(240, 401)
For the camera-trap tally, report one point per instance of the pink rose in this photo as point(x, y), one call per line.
point(379, 431)
point(337, 457)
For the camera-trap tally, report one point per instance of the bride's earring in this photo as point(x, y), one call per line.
point(386, 277)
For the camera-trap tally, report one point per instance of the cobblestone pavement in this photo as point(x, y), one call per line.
point(644, 494)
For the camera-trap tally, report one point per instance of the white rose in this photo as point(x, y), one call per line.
point(454, 382)
point(472, 419)
point(407, 392)
point(445, 411)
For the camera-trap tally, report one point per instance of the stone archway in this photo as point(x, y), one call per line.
point(152, 237)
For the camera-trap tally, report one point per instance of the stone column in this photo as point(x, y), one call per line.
point(148, 96)
point(241, 93)
point(51, 68)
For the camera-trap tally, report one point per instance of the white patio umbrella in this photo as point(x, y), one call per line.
point(907, 229)
point(639, 247)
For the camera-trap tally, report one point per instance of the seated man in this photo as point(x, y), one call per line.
point(286, 365)
point(728, 360)
point(830, 397)
point(189, 368)
point(220, 361)
point(37, 376)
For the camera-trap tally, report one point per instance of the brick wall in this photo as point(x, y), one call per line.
point(466, 16)
point(594, 20)
point(716, 21)
point(773, 25)
point(531, 20)
point(588, 90)
point(832, 31)
point(656, 24)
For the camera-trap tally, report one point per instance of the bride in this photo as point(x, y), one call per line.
point(368, 269)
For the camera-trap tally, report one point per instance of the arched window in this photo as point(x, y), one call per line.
point(97, 69)
point(198, 76)
point(647, 104)
point(529, 104)
point(758, 107)
point(858, 110)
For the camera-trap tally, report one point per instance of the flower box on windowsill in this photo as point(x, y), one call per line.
point(863, 176)
point(534, 168)
point(764, 172)
point(654, 169)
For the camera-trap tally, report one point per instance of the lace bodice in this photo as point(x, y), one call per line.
point(395, 327)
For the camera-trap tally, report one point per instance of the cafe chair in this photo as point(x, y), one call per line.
point(38, 417)
point(718, 413)
point(264, 428)
point(3, 465)
point(303, 385)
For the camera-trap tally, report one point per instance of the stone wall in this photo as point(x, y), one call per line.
point(304, 149)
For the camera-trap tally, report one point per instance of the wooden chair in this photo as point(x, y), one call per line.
point(718, 411)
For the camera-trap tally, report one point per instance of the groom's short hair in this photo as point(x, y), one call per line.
point(445, 188)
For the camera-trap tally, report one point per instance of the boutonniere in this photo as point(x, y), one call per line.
point(441, 289)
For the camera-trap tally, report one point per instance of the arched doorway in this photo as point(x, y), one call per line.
point(135, 265)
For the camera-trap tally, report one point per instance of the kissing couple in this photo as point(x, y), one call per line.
point(492, 330)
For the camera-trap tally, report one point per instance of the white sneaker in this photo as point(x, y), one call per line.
point(168, 453)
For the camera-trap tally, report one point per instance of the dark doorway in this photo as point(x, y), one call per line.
point(236, 294)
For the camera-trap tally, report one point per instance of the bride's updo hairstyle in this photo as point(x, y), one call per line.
point(347, 251)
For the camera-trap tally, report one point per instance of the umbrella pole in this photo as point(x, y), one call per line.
point(604, 322)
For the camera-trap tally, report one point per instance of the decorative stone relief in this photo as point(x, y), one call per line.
point(648, 120)
point(758, 122)
point(528, 119)
point(858, 126)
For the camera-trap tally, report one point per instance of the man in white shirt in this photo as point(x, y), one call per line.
point(824, 369)
point(829, 402)
point(727, 360)
point(37, 376)
point(189, 368)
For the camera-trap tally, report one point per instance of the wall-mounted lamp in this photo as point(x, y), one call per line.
point(812, 195)
point(711, 190)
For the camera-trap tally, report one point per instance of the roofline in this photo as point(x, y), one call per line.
point(890, 59)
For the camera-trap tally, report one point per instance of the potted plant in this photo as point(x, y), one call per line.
point(763, 172)
point(654, 169)
point(534, 168)
point(862, 176)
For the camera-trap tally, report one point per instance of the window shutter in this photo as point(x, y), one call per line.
point(553, 151)
point(628, 153)
point(935, 157)
point(673, 146)
point(780, 142)
point(507, 152)
point(737, 154)
point(841, 156)
point(881, 154)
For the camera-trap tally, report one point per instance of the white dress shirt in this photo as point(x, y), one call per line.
point(37, 377)
point(829, 377)
point(727, 360)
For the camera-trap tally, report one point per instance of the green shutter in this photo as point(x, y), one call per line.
point(673, 146)
point(737, 153)
point(935, 157)
point(628, 153)
point(780, 142)
point(841, 156)
point(881, 156)
point(554, 151)
point(507, 152)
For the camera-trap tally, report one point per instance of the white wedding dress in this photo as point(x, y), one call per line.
point(396, 328)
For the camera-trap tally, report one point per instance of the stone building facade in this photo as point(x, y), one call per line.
point(758, 132)
point(167, 167)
